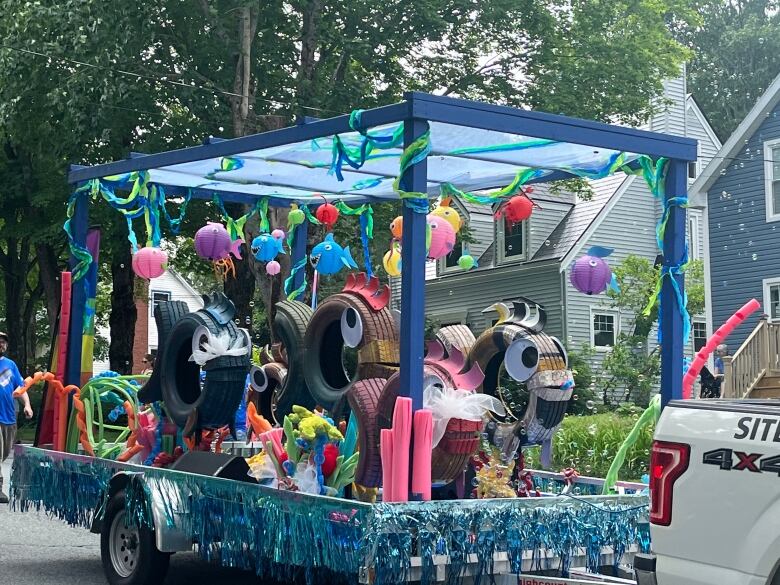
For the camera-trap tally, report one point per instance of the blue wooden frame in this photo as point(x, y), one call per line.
point(416, 111)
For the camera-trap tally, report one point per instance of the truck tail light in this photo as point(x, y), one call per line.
point(667, 463)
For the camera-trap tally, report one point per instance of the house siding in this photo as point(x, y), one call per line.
point(466, 295)
point(744, 247)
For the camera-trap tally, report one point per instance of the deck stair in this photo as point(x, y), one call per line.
point(753, 371)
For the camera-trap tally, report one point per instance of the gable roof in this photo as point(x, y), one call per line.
point(766, 103)
point(693, 105)
point(574, 230)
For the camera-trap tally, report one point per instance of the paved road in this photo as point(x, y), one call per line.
point(35, 550)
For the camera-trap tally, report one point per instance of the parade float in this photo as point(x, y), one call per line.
point(409, 469)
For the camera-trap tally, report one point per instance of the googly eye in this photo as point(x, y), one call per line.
point(433, 382)
point(521, 359)
point(258, 380)
point(593, 263)
point(328, 247)
point(351, 327)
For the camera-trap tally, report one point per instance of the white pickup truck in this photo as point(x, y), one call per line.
point(715, 485)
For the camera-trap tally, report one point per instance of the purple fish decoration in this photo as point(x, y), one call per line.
point(591, 274)
point(213, 242)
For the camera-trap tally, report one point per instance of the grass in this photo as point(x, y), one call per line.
point(589, 444)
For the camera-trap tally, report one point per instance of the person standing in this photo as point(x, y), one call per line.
point(10, 380)
point(148, 363)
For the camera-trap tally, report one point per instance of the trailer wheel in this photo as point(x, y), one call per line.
point(129, 555)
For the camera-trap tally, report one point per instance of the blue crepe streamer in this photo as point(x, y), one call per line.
point(364, 240)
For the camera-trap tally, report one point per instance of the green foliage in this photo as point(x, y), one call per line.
point(589, 444)
point(584, 398)
point(736, 57)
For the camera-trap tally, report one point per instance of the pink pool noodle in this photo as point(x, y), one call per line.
point(275, 438)
point(402, 442)
point(713, 342)
point(386, 452)
point(421, 455)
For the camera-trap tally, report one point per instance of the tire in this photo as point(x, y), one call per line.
point(363, 399)
point(223, 389)
point(270, 378)
point(129, 555)
point(291, 321)
point(165, 317)
point(459, 336)
point(325, 375)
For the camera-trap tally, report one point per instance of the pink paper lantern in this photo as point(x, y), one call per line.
point(278, 234)
point(273, 268)
point(442, 237)
point(150, 262)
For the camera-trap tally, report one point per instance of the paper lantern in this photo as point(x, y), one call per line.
point(273, 268)
point(327, 215)
point(212, 241)
point(591, 274)
point(517, 209)
point(295, 217)
point(442, 237)
point(467, 262)
point(278, 234)
point(150, 262)
point(397, 227)
point(392, 260)
point(448, 214)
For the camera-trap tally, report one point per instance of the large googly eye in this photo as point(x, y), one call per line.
point(258, 379)
point(328, 247)
point(351, 327)
point(431, 382)
point(521, 359)
point(561, 349)
point(200, 338)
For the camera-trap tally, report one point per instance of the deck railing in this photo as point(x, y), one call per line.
point(757, 357)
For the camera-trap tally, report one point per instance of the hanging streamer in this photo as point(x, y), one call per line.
point(77, 250)
point(357, 155)
point(235, 227)
point(366, 215)
point(514, 188)
point(288, 283)
point(416, 152)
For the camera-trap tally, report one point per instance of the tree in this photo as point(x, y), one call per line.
point(181, 71)
point(630, 365)
point(736, 57)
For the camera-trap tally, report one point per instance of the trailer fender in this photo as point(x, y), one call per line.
point(167, 538)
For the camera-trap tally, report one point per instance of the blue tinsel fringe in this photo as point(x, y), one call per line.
point(286, 536)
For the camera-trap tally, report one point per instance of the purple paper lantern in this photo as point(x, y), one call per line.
point(212, 241)
point(590, 275)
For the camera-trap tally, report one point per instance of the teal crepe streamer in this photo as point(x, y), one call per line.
point(356, 156)
point(77, 250)
point(288, 282)
point(413, 154)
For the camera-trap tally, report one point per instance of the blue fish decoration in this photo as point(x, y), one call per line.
point(328, 257)
point(265, 247)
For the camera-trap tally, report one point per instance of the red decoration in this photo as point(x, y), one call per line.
point(327, 214)
point(331, 454)
point(517, 209)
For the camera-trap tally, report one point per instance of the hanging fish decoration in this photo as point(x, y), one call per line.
point(328, 257)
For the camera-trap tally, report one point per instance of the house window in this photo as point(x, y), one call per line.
point(772, 179)
point(450, 262)
point(699, 335)
point(158, 297)
point(692, 168)
point(604, 329)
point(694, 249)
point(511, 240)
point(772, 298)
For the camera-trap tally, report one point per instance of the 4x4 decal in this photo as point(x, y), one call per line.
point(730, 460)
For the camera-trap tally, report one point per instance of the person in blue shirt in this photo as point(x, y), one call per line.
point(10, 380)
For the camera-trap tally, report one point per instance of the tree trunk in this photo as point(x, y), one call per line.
point(123, 312)
point(49, 275)
point(311, 14)
point(16, 265)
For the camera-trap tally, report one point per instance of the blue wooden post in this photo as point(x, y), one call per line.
point(298, 252)
point(671, 324)
point(413, 254)
point(79, 225)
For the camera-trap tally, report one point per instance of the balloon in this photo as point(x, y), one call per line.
point(442, 237)
point(278, 234)
point(150, 262)
point(327, 215)
point(273, 268)
point(397, 227)
point(517, 209)
point(392, 261)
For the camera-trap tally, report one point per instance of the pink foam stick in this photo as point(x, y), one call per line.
point(421, 462)
point(274, 436)
point(723, 331)
point(402, 441)
point(386, 452)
